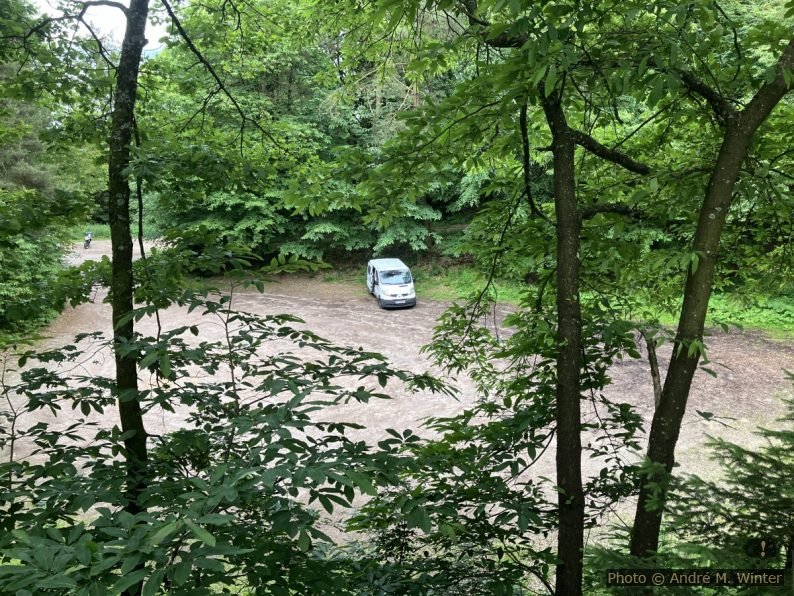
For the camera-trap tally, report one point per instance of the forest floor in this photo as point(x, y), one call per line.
point(747, 392)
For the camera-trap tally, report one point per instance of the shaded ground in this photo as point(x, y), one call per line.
point(748, 389)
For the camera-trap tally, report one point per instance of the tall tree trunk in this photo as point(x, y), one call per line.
point(569, 359)
point(121, 241)
point(740, 129)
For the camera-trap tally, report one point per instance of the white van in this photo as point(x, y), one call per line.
point(391, 282)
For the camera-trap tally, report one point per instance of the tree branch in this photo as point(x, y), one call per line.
point(640, 126)
point(722, 107)
point(653, 362)
point(613, 155)
point(619, 208)
point(100, 46)
point(41, 25)
point(437, 136)
point(770, 94)
point(84, 6)
point(522, 121)
point(503, 40)
point(200, 57)
point(736, 45)
point(109, 3)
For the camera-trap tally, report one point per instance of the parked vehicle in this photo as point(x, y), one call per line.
point(87, 239)
point(391, 282)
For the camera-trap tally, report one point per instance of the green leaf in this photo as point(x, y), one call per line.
point(165, 366)
point(551, 80)
point(164, 532)
point(130, 580)
point(130, 563)
point(182, 572)
point(200, 533)
point(418, 518)
point(57, 581)
point(362, 481)
point(149, 359)
point(694, 261)
point(153, 583)
point(304, 541)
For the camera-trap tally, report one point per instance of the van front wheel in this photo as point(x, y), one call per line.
point(380, 304)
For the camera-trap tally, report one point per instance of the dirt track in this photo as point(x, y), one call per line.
point(749, 386)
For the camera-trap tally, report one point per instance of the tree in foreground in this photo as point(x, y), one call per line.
point(597, 86)
point(740, 517)
point(241, 496)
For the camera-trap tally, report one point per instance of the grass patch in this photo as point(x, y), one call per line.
point(343, 276)
point(458, 283)
point(773, 315)
point(436, 283)
point(100, 231)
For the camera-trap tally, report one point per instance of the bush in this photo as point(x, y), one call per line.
point(31, 248)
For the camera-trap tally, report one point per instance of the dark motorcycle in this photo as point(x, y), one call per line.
point(87, 242)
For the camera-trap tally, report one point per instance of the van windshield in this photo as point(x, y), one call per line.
point(395, 277)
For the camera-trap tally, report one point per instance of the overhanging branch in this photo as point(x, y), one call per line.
point(501, 40)
point(770, 94)
point(109, 3)
point(522, 121)
point(722, 108)
point(618, 208)
point(100, 46)
point(613, 155)
point(200, 57)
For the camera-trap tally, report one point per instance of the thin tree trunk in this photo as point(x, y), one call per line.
point(569, 359)
point(653, 362)
point(121, 242)
point(739, 132)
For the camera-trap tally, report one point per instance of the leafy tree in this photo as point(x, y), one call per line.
point(547, 59)
point(234, 499)
point(316, 102)
point(720, 520)
point(33, 232)
point(42, 193)
point(752, 502)
point(739, 130)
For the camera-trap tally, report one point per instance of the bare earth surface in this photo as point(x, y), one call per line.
point(749, 388)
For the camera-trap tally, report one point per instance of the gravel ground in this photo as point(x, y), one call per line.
point(748, 389)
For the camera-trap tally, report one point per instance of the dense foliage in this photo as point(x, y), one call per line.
point(229, 500)
point(206, 169)
point(620, 161)
point(45, 188)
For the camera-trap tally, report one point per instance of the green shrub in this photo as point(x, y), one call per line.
point(238, 498)
point(32, 240)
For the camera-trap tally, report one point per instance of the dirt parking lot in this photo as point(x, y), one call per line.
point(749, 387)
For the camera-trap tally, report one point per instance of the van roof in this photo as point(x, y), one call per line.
point(381, 264)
